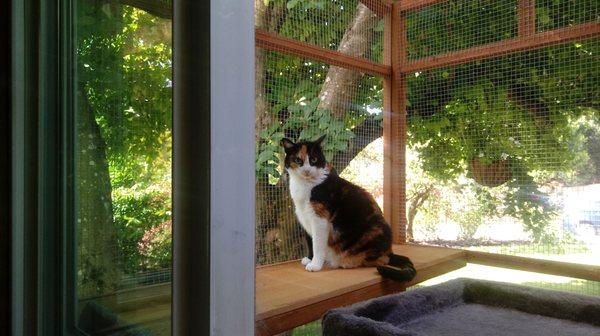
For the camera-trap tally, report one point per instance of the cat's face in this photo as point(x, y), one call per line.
point(305, 159)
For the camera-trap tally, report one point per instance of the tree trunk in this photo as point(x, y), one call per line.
point(159, 8)
point(97, 266)
point(365, 133)
point(415, 203)
point(339, 87)
point(412, 213)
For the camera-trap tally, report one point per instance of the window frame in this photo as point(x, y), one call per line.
point(42, 230)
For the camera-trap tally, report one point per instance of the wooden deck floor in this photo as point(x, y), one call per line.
point(288, 296)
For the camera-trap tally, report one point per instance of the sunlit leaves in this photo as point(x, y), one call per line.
point(125, 67)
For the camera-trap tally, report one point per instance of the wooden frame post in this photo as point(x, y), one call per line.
point(213, 259)
point(526, 15)
point(394, 125)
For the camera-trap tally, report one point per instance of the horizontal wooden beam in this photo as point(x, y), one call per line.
point(379, 7)
point(531, 42)
point(579, 271)
point(290, 46)
point(409, 5)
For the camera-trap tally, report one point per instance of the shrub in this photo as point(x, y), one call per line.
point(155, 246)
point(136, 210)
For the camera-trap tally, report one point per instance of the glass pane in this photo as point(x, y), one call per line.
point(123, 169)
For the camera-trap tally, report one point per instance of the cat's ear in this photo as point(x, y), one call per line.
point(320, 140)
point(287, 144)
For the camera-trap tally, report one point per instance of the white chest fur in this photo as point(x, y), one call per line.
point(317, 227)
point(300, 190)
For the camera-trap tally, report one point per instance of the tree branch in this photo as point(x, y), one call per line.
point(160, 8)
point(365, 133)
point(339, 87)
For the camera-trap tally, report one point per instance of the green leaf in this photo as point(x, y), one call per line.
point(380, 26)
point(292, 3)
point(264, 157)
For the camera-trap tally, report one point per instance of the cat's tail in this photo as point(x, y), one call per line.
point(399, 268)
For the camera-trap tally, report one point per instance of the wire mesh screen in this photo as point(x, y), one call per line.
point(301, 99)
point(459, 24)
point(547, 281)
point(553, 14)
point(504, 154)
point(347, 26)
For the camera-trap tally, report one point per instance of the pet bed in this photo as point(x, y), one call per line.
point(469, 307)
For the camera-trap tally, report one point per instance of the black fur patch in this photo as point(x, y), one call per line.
point(359, 232)
point(356, 218)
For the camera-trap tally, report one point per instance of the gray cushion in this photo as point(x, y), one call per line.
point(469, 307)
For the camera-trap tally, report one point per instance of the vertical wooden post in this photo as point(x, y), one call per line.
point(394, 125)
point(387, 111)
point(526, 15)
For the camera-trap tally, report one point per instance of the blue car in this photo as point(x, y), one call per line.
point(591, 217)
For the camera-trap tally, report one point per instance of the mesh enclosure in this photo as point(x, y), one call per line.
point(504, 155)
point(459, 24)
point(553, 14)
point(347, 26)
point(566, 284)
point(301, 99)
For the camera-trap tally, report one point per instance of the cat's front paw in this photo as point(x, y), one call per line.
point(305, 261)
point(314, 267)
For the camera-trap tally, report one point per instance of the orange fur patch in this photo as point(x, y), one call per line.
point(367, 237)
point(302, 153)
point(320, 210)
point(349, 259)
point(334, 241)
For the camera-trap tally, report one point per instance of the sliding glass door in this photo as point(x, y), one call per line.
point(122, 133)
point(131, 168)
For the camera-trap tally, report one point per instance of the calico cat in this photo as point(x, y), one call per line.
point(344, 225)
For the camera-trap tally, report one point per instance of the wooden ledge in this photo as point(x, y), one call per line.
point(561, 268)
point(288, 296)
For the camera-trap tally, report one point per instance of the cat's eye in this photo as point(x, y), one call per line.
point(313, 160)
point(298, 161)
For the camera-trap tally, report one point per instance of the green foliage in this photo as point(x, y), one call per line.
point(455, 114)
point(156, 246)
point(585, 144)
point(137, 210)
point(127, 73)
point(311, 122)
point(124, 68)
point(292, 86)
point(324, 22)
point(553, 14)
point(469, 205)
point(459, 24)
point(521, 108)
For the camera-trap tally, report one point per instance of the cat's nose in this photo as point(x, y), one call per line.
point(306, 173)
